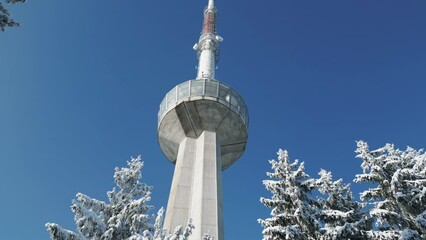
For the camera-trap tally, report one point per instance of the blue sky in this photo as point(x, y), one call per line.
point(81, 83)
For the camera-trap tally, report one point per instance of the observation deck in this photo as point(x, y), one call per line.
point(203, 104)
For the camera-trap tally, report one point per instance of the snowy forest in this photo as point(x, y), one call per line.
point(323, 208)
point(302, 207)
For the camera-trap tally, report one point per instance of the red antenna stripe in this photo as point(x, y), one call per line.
point(209, 22)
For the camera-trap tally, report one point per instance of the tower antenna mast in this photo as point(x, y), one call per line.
point(208, 45)
point(211, 4)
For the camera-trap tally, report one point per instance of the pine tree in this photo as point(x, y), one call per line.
point(399, 198)
point(126, 216)
point(294, 212)
point(341, 216)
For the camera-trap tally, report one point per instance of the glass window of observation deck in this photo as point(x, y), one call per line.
point(211, 88)
point(162, 107)
point(197, 87)
point(234, 100)
point(224, 92)
point(183, 91)
point(171, 98)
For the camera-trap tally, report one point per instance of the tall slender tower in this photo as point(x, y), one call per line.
point(202, 129)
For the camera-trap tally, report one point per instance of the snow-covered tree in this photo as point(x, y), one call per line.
point(399, 197)
point(396, 204)
point(294, 211)
point(5, 20)
point(341, 216)
point(126, 216)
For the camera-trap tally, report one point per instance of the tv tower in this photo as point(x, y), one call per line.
point(202, 129)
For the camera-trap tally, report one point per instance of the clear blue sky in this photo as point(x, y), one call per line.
point(81, 82)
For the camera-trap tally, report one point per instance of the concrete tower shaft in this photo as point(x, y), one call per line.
point(202, 129)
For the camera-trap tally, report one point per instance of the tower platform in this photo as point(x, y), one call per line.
point(206, 104)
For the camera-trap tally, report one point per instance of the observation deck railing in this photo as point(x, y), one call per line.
point(208, 89)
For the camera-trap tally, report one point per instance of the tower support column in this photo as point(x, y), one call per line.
point(197, 187)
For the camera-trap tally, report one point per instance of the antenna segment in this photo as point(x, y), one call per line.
point(211, 4)
point(208, 45)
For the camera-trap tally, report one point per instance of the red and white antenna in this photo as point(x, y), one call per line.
point(208, 45)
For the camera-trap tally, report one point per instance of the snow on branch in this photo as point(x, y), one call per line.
point(126, 216)
point(307, 208)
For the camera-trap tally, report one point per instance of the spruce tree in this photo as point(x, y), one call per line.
point(341, 216)
point(126, 216)
point(396, 205)
point(399, 197)
point(294, 211)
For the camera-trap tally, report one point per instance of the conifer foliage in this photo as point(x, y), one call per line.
point(294, 211)
point(5, 19)
point(126, 216)
point(341, 217)
point(393, 209)
point(399, 198)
